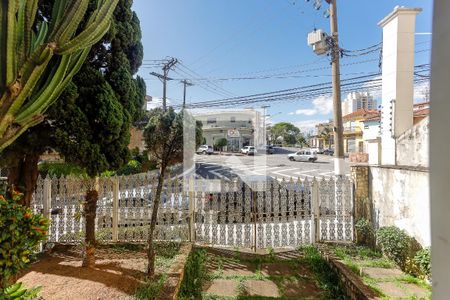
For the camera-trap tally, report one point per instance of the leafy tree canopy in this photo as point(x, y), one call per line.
point(289, 133)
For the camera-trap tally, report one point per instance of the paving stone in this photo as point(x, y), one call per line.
point(264, 288)
point(278, 269)
point(380, 273)
point(301, 289)
point(392, 290)
point(416, 290)
point(221, 287)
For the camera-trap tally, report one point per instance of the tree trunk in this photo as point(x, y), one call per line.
point(90, 208)
point(151, 249)
point(23, 177)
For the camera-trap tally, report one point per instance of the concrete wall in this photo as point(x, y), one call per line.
point(400, 197)
point(413, 145)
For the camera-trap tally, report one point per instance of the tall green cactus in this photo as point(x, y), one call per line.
point(38, 58)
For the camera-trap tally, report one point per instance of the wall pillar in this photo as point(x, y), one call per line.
point(363, 208)
point(397, 78)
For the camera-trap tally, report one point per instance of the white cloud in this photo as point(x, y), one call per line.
point(156, 102)
point(321, 106)
point(308, 126)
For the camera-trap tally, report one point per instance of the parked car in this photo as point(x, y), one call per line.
point(317, 150)
point(205, 149)
point(249, 150)
point(328, 152)
point(303, 155)
point(270, 149)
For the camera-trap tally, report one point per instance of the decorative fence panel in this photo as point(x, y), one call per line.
point(257, 214)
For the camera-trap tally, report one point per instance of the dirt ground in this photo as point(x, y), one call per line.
point(117, 274)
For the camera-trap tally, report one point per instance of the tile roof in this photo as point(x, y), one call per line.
point(362, 114)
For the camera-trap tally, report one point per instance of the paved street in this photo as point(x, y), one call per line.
point(276, 165)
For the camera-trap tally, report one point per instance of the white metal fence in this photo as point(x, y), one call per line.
point(239, 214)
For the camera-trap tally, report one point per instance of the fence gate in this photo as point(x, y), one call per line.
point(255, 214)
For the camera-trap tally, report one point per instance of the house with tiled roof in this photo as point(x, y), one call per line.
point(354, 129)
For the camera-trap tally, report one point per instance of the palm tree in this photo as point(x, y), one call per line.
point(325, 134)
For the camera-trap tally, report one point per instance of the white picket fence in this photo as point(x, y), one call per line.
point(256, 214)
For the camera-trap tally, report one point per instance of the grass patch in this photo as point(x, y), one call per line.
point(194, 274)
point(327, 279)
point(151, 289)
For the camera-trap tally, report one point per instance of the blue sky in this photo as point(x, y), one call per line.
point(247, 38)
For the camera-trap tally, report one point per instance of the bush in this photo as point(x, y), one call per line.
point(21, 233)
point(394, 243)
point(423, 260)
point(60, 169)
point(397, 245)
point(132, 167)
point(365, 235)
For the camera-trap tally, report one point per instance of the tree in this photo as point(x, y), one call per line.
point(65, 127)
point(89, 124)
point(164, 138)
point(287, 131)
point(220, 143)
point(39, 56)
point(325, 134)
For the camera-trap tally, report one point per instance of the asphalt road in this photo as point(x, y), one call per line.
point(225, 166)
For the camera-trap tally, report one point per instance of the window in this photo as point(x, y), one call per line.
point(233, 119)
point(211, 121)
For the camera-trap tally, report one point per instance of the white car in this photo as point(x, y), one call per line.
point(303, 155)
point(249, 150)
point(205, 149)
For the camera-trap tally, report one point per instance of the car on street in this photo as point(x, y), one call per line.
point(249, 150)
point(328, 152)
point(303, 155)
point(317, 150)
point(270, 149)
point(205, 149)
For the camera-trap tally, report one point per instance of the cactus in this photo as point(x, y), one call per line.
point(38, 58)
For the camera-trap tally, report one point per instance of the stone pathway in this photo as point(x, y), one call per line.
point(395, 284)
point(280, 278)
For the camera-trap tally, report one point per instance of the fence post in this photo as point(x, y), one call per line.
point(47, 195)
point(191, 210)
point(316, 210)
point(115, 212)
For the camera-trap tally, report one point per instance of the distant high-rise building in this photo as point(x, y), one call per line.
point(356, 101)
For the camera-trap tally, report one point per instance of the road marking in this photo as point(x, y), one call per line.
point(307, 171)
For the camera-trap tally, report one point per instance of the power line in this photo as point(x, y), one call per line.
point(310, 91)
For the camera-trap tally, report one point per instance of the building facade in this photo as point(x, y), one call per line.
point(239, 127)
point(356, 101)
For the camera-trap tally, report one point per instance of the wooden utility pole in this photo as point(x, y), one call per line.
point(185, 84)
point(166, 68)
point(336, 80)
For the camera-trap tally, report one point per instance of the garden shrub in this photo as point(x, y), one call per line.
point(365, 235)
point(423, 260)
point(397, 245)
point(20, 236)
point(60, 169)
point(132, 167)
point(394, 243)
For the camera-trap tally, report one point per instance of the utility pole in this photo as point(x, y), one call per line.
point(185, 84)
point(166, 68)
point(322, 44)
point(336, 80)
